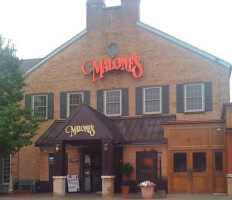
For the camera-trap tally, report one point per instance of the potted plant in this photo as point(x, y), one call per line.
point(127, 169)
point(147, 189)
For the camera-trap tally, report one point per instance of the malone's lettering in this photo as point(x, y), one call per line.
point(129, 64)
point(73, 130)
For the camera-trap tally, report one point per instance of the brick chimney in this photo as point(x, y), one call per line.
point(131, 10)
point(99, 17)
point(94, 13)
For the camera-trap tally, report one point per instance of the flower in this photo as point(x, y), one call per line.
point(147, 184)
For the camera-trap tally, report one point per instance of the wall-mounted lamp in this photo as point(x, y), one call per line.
point(219, 130)
point(57, 148)
point(159, 154)
point(45, 151)
point(106, 147)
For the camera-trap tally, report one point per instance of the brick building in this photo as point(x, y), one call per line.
point(122, 91)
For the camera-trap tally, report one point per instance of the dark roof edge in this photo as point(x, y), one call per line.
point(185, 45)
point(143, 116)
point(149, 143)
point(192, 122)
point(162, 142)
point(56, 51)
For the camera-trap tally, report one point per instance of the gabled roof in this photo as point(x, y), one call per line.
point(28, 63)
point(84, 115)
point(145, 27)
point(185, 45)
point(144, 130)
point(48, 138)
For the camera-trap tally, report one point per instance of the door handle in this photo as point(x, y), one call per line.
point(190, 174)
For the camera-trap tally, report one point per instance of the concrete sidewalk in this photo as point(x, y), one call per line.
point(26, 195)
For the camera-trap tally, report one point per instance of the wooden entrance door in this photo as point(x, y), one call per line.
point(146, 166)
point(190, 172)
point(219, 171)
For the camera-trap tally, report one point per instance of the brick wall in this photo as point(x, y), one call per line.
point(73, 167)
point(164, 62)
point(129, 155)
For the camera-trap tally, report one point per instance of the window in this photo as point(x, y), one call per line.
point(218, 162)
point(73, 100)
point(194, 97)
point(112, 102)
point(199, 162)
point(6, 170)
point(39, 104)
point(152, 100)
point(180, 162)
point(147, 162)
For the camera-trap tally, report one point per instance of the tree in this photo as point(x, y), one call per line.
point(15, 130)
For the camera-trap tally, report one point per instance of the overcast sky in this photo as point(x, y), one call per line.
point(37, 27)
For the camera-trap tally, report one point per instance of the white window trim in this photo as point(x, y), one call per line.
point(3, 171)
point(68, 102)
point(33, 96)
point(203, 98)
point(119, 114)
point(144, 109)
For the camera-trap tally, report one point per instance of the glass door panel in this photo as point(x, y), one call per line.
point(199, 162)
point(87, 172)
point(219, 172)
point(189, 172)
point(180, 162)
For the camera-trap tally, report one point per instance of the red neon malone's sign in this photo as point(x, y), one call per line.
point(129, 64)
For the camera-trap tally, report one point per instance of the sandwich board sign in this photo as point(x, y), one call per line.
point(73, 183)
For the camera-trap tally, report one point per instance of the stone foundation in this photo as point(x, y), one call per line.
point(229, 184)
point(59, 186)
point(107, 186)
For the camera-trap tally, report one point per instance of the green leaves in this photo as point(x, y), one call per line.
point(15, 130)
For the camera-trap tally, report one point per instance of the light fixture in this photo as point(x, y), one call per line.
point(159, 154)
point(218, 129)
point(106, 147)
point(57, 148)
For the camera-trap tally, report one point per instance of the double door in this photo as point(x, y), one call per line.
point(200, 171)
point(91, 171)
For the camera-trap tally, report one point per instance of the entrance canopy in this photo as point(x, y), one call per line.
point(85, 123)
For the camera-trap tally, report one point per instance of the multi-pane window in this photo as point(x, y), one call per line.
point(39, 104)
point(194, 97)
point(73, 100)
point(152, 100)
point(6, 170)
point(112, 99)
point(180, 162)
